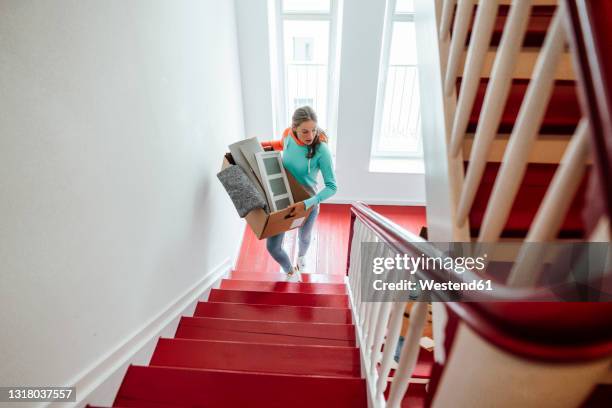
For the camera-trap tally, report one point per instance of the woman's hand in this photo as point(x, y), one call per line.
point(299, 206)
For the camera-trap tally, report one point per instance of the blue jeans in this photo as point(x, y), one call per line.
point(275, 243)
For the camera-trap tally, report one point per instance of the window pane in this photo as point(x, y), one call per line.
point(399, 132)
point(306, 49)
point(403, 44)
point(404, 6)
point(307, 6)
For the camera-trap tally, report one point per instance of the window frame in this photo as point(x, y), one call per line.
point(279, 72)
point(391, 17)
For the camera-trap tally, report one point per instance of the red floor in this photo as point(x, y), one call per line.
point(329, 245)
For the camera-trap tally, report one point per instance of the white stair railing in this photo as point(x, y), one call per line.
point(379, 322)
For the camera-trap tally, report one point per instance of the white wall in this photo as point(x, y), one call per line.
point(254, 50)
point(359, 64)
point(113, 119)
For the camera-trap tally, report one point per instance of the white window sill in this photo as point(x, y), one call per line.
point(397, 165)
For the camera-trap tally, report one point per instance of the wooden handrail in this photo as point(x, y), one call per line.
point(589, 34)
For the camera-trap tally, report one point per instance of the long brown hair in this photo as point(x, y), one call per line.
point(304, 114)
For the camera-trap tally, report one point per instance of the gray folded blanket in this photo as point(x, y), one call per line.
point(242, 191)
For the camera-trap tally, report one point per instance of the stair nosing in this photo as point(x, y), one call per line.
point(348, 325)
point(273, 305)
point(351, 348)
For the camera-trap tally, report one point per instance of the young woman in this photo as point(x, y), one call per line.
point(305, 153)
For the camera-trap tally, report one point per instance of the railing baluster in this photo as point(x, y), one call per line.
point(395, 325)
point(460, 29)
point(355, 255)
point(554, 207)
point(524, 132)
point(364, 304)
point(447, 15)
point(379, 333)
point(410, 353)
point(372, 323)
point(477, 51)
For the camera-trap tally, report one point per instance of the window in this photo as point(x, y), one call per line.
point(397, 123)
point(304, 69)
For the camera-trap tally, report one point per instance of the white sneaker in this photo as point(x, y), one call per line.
point(294, 275)
point(301, 263)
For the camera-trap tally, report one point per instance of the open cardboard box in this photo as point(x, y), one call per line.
point(265, 225)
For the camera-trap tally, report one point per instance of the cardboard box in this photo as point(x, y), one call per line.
point(265, 225)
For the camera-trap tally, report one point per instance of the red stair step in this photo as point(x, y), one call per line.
point(279, 277)
point(416, 396)
point(423, 367)
point(540, 19)
point(561, 117)
point(177, 387)
point(285, 287)
point(322, 334)
point(531, 192)
point(256, 357)
point(273, 298)
point(303, 314)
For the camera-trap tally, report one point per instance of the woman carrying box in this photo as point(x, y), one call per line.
point(305, 153)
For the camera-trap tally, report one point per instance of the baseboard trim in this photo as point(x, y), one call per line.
point(117, 360)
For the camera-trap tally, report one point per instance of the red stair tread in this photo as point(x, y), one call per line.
point(530, 195)
point(273, 298)
point(279, 277)
point(561, 116)
point(416, 396)
point(304, 314)
point(144, 386)
point(206, 328)
point(423, 366)
point(285, 287)
point(256, 357)
point(535, 33)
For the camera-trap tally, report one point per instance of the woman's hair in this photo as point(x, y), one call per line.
point(301, 115)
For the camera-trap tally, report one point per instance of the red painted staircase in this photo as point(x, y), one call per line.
point(257, 342)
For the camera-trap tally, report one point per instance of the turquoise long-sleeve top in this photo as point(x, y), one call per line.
point(306, 170)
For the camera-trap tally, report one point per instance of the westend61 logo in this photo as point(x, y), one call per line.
point(413, 264)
